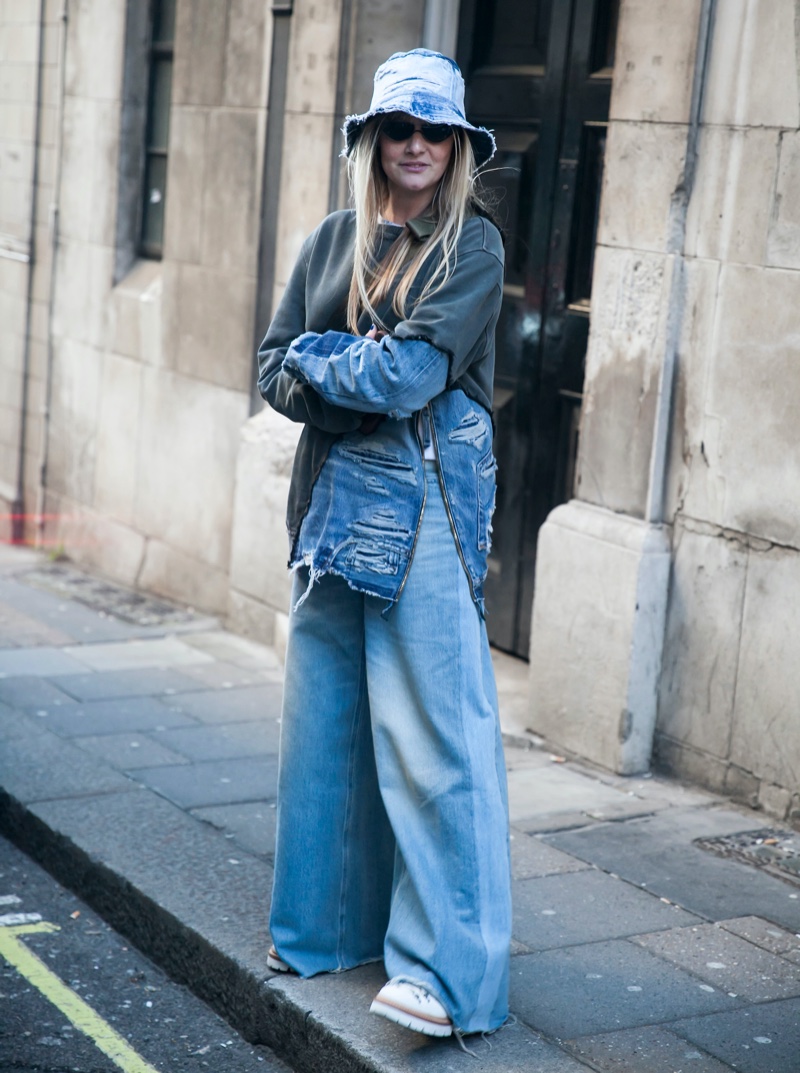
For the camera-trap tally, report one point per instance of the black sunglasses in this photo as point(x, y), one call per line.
point(400, 130)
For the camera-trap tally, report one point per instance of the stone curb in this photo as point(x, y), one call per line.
point(261, 1013)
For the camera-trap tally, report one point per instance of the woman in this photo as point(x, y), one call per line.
point(392, 816)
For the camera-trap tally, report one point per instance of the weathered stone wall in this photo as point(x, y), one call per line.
point(728, 696)
point(24, 296)
point(729, 702)
point(151, 374)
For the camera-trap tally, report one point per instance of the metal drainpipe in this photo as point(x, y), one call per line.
point(18, 506)
point(659, 457)
point(271, 182)
point(55, 222)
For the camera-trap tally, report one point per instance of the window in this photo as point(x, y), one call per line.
point(157, 129)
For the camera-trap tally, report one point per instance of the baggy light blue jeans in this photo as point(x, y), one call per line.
point(392, 807)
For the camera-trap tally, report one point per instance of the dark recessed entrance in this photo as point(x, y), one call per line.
point(538, 72)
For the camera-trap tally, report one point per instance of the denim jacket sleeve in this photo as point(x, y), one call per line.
point(425, 353)
point(285, 393)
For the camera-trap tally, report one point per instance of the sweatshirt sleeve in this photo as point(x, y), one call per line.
point(285, 393)
point(425, 353)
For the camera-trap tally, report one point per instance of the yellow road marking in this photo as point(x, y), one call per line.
point(71, 1005)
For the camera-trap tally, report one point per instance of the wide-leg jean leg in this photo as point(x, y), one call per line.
point(435, 724)
point(334, 854)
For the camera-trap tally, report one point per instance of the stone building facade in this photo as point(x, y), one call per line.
point(667, 572)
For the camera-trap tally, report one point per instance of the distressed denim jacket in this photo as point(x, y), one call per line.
point(357, 497)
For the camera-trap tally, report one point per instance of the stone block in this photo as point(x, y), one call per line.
point(532, 858)
point(247, 704)
point(753, 363)
point(126, 311)
point(774, 800)
point(95, 45)
point(250, 617)
point(741, 785)
point(598, 622)
point(731, 209)
point(15, 199)
point(313, 61)
point(689, 764)
point(89, 175)
point(200, 46)
point(118, 413)
point(701, 651)
point(95, 540)
point(229, 234)
point(783, 244)
point(111, 716)
point(762, 933)
point(187, 460)
point(171, 572)
point(765, 739)
point(127, 752)
point(259, 543)
point(85, 275)
point(251, 824)
point(77, 371)
point(247, 46)
point(654, 62)
point(183, 220)
point(305, 174)
point(215, 326)
point(688, 474)
point(621, 386)
point(753, 62)
point(229, 741)
point(643, 166)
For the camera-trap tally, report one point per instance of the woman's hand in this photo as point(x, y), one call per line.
point(375, 333)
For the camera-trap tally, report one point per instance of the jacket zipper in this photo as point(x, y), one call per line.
point(447, 501)
point(421, 512)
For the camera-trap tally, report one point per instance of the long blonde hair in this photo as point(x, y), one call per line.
point(454, 197)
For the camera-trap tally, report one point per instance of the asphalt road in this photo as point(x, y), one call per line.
point(74, 994)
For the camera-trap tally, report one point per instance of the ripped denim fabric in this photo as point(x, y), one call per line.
point(368, 500)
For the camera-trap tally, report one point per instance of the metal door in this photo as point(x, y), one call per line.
point(538, 73)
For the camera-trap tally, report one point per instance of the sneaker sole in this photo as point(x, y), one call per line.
point(406, 1019)
point(277, 964)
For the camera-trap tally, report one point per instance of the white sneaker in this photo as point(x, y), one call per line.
point(276, 962)
point(412, 1006)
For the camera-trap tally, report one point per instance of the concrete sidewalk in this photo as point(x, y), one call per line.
point(138, 763)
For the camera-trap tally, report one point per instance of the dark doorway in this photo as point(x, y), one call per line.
point(538, 73)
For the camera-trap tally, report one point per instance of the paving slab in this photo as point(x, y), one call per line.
point(644, 1050)
point(18, 630)
point(757, 1039)
point(37, 765)
point(110, 684)
point(657, 853)
point(79, 623)
point(554, 789)
point(32, 694)
point(137, 653)
point(239, 651)
point(42, 661)
point(233, 705)
point(127, 752)
point(587, 906)
point(218, 782)
point(113, 716)
point(218, 675)
point(586, 990)
point(340, 1003)
point(766, 935)
point(250, 825)
point(532, 858)
point(226, 740)
point(726, 961)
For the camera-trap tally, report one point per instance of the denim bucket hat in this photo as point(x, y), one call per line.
point(426, 85)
